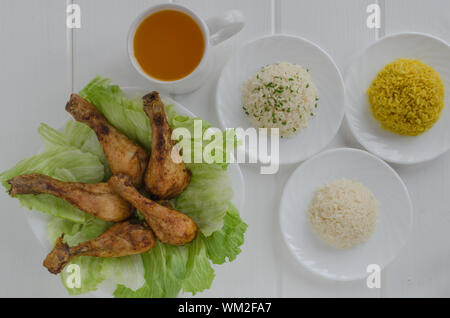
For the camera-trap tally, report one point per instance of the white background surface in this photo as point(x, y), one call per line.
point(41, 62)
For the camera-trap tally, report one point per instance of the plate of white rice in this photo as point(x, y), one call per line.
point(342, 211)
point(283, 82)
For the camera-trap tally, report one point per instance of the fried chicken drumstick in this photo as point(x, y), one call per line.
point(123, 155)
point(97, 199)
point(164, 178)
point(121, 239)
point(169, 226)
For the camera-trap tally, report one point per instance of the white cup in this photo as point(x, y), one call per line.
point(215, 30)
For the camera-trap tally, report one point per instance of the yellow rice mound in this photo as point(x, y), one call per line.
point(407, 97)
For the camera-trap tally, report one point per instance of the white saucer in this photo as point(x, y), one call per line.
point(367, 130)
point(285, 48)
point(391, 233)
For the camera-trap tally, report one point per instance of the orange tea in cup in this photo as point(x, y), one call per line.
point(168, 45)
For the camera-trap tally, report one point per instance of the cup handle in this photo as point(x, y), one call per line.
point(224, 26)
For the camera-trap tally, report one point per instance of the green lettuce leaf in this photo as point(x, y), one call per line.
point(126, 115)
point(90, 268)
point(51, 137)
point(168, 269)
point(165, 268)
point(90, 275)
point(124, 271)
point(206, 197)
point(128, 270)
point(57, 226)
point(199, 273)
point(225, 243)
point(64, 163)
point(77, 135)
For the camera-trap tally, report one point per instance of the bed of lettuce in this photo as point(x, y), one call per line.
point(75, 154)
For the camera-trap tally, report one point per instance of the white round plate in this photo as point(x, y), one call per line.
point(283, 48)
point(38, 221)
point(367, 130)
point(391, 233)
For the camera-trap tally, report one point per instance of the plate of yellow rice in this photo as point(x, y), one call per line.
point(398, 100)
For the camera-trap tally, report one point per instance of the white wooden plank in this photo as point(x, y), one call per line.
point(35, 81)
point(422, 267)
point(258, 23)
point(432, 16)
point(100, 48)
point(421, 270)
point(338, 27)
point(100, 45)
point(254, 272)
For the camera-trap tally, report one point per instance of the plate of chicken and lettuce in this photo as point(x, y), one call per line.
point(117, 209)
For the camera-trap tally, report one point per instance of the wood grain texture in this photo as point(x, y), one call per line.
point(38, 60)
point(254, 272)
point(338, 27)
point(35, 80)
point(432, 16)
point(422, 268)
point(100, 46)
point(258, 23)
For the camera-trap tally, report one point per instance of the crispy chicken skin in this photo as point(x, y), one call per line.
point(164, 178)
point(97, 199)
point(121, 239)
point(169, 226)
point(124, 156)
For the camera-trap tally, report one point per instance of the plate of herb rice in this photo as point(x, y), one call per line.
point(282, 86)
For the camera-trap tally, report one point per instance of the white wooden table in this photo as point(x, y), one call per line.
point(42, 62)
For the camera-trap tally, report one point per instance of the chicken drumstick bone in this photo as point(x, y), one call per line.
point(169, 226)
point(97, 199)
point(123, 155)
point(164, 178)
point(121, 239)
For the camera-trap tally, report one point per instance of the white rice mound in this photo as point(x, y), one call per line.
point(280, 95)
point(343, 213)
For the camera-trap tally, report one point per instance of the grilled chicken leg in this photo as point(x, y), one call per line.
point(97, 199)
point(124, 156)
point(164, 178)
point(169, 226)
point(121, 239)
